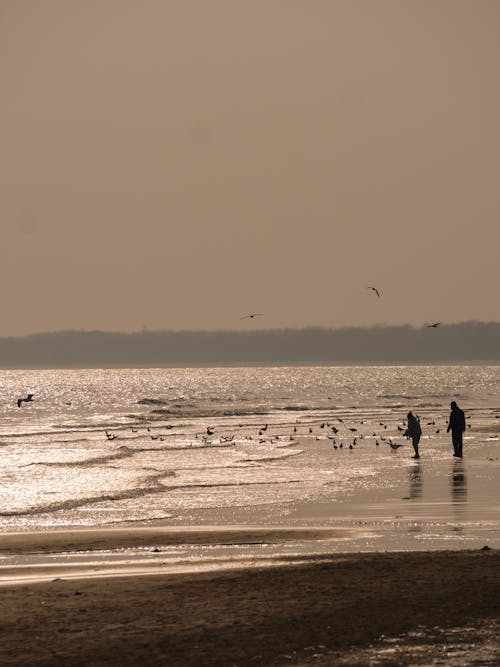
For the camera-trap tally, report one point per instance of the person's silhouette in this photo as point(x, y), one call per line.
point(414, 432)
point(456, 425)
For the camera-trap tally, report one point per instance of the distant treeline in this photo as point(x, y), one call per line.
point(468, 341)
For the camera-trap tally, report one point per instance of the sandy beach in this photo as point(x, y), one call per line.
point(394, 576)
point(285, 549)
point(347, 609)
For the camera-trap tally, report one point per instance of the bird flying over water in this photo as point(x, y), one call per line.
point(28, 399)
point(374, 289)
point(251, 316)
point(433, 326)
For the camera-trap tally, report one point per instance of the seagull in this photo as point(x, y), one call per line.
point(394, 445)
point(433, 326)
point(28, 399)
point(375, 290)
point(252, 315)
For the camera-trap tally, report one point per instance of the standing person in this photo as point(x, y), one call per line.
point(456, 425)
point(414, 432)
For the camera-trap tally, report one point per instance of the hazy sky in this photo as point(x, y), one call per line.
point(177, 164)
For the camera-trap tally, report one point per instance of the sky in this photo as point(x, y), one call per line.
point(179, 164)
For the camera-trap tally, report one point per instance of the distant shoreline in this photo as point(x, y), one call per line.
point(263, 364)
point(449, 344)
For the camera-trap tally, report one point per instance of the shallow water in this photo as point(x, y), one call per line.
point(271, 455)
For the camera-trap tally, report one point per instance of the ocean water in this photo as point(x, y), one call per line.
point(215, 445)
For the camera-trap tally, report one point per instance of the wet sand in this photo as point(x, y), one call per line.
point(364, 580)
point(344, 609)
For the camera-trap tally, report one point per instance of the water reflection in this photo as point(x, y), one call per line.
point(416, 481)
point(458, 484)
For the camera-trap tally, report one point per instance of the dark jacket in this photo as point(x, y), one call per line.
point(413, 430)
point(457, 421)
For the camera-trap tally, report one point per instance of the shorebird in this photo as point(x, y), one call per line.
point(251, 316)
point(394, 445)
point(374, 289)
point(28, 399)
point(433, 326)
point(110, 436)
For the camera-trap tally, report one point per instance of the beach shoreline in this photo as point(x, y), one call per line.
point(336, 607)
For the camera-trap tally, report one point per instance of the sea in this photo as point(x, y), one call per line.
point(297, 445)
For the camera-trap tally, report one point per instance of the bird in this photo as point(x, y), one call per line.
point(433, 326)
point(252, 315)
point(394, 445)
point(110, 436)
point(374, 289)
point(28, 399)
point(210, 431)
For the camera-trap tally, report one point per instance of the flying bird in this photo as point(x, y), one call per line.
point(394, 445)
point(28, 399)
point(375, 290)
point(251, 316)
point(433, 326)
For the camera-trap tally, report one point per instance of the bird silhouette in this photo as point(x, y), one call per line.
point(28, 399)
point(251, 316)
point(394, 445)
point(374, 289)
point(433, 326)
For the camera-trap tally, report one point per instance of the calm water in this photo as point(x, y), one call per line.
point(271, 449)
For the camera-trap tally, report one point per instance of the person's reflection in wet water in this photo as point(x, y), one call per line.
point(416, 482)
point(458, 484)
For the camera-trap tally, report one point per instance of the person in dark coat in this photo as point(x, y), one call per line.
point(414, 432)
point(456, 425)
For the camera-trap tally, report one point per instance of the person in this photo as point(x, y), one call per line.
point(456, 425)
point(414, 432)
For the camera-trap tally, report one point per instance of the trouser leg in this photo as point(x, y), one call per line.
point(457, 443)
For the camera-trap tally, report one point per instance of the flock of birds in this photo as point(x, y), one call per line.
point(332, 429)
point(336, 434)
